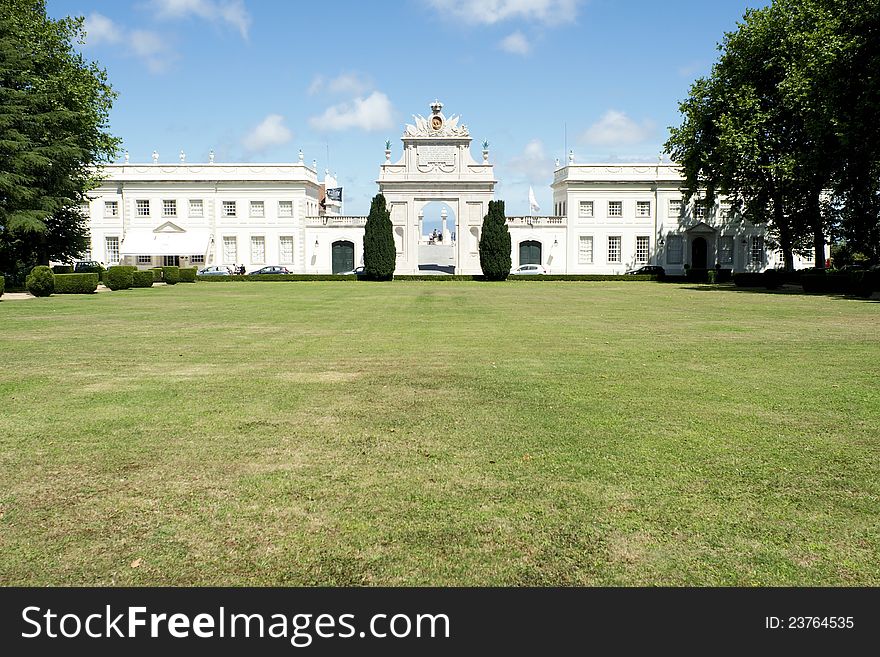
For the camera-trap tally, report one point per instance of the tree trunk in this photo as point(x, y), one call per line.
point(815, 215)
point(785, 242)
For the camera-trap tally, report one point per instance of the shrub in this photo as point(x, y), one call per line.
point(40, 282)
point(76, 283)
point(773, 278)
point(2, 285)
point(188, 274)
point(144, 278)
point(748, 279)
point(171, 275)
point(723, 275)
point(495, 244)
point(119, 278)
point(157, 273)
point(62, 269)
point(863, 283)
point(696, 274)
point(380, 254)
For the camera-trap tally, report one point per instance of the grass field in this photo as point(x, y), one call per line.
point(440, 433)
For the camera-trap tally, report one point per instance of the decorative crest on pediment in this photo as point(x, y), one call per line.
point(436, 125)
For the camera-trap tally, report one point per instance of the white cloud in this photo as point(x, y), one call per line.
point(270, 132)
point(489, 12)
point(515, 43)
point(343, 84)
point(152, 49)
point(617, 129)
point(371, 113)
point(231, 12)
point(534, 164)
point(100, 30)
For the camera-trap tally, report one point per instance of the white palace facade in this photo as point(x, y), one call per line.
point(607, 219)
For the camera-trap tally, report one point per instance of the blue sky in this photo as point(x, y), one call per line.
point(256, 80)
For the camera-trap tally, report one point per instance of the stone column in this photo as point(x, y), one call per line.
point(443, 230)
point(421, 226)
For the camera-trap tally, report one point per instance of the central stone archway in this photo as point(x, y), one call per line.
point(436, 165)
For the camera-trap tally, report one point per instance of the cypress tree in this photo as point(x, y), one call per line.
point(495, 244)
point(380, 254)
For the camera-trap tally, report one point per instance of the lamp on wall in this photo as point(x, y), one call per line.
point(555, 242)
point(661, 242)
point(316, 244)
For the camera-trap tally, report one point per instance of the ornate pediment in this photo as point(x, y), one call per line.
point(436, 125)
point(702, 227)
point(168, 227)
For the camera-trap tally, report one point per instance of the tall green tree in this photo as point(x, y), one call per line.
point(495, 243)
point(380, 254)
point(54, 109)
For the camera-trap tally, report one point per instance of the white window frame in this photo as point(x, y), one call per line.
point(281, 249)
point(700, 209)
point(227, 240)
point(257, 209)
point(256, 257)
point(111, 208)
point(142, 207)
point(285, 209)
point(169, 208)
point(230, 209)
point(585, 209)
point(724, 210)
point(612, 239)
point(196, 208)
point(756, 250)
point(108, 249)
point(643, 208)
point(585, 256)
point(674, 255)
point(725, 250)
point(618, 209)
point(145, 260)
point(197, 259)
point(675, 207)
point(643, 249)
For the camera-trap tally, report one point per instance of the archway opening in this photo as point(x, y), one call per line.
point(699, 253)
point(437, 238)
point(530, 252)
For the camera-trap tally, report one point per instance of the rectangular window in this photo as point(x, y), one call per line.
point(111, 249)
point(228, 208)
point(675, 207)
point(674, 250)
point(699, 209)
point(757, 250)
point(197, 259)
point(643, 248)
point(145, 260)
point(258, 250)
point(285, 208)
point(614, 249)
point(615, 208)
point(196, 208)
point(585, 250)
point(285, 250)
point(258, 209)
point(585, 209)
point(142, 208)
point(724, 211)
point(111, 208)
point(169, 208)
point(725, 250)
point(643, 208)
point(230, 250)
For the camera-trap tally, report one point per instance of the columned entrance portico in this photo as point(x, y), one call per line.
point(701, 246)
point(436, 165)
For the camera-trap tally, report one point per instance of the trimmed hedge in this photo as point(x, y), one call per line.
point(157, 273)
point(62, 269)
point(76, 283)
point(40, 282)
point(748, 279)
point(119, 278)
point(859, 283)
point(2, 285)
point(143, 278)
point(171, 275)
point(422, 277)
point(188, 274)
point(582, 277)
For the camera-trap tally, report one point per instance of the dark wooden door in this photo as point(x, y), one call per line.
point(343, 256)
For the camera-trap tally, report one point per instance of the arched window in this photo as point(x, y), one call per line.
point(343, 256)
point(530, 253)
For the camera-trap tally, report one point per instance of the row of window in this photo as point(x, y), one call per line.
point(643, 209)
point(258, 250)
point(614, 251)
point(111, 254)
point(256, 209)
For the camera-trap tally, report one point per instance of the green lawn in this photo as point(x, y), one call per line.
point(439, 433)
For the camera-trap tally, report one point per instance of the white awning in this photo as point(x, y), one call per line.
point(146, 242)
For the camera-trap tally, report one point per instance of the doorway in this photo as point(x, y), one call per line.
point(699, 253)
point(343, 256)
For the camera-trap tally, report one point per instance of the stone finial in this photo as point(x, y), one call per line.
point(300, 155)
point(436, 106)
point(126, 157)
point(557, 162)
point(571, 157)
point(211, 156)
point(315, 165)
point(155, 157)
point(182, 156)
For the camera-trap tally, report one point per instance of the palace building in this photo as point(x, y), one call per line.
point(607, 219)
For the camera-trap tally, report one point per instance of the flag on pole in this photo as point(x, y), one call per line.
point(533, 202)
point(335, 194)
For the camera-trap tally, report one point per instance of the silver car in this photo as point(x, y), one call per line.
point(215, 270)
point(529, 269)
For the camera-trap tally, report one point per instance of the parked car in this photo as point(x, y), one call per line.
point(529, 270)
point(87, 267)
point(215, 270)
point(357, 271)
point(647, 270)
point(271, 269)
